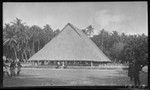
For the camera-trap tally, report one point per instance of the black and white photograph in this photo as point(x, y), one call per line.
point(75, 44)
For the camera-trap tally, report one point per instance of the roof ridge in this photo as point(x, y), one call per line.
point(74, 28)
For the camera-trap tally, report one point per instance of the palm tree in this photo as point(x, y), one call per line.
point(89, 31)
point(10, 38)
point(15, 36)
point(23, 42)
point(48, 33)
point(35, 38)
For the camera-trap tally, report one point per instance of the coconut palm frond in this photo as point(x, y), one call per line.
point(6, 41)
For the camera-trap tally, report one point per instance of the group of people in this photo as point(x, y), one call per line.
point(134, 72)
point(13, 69)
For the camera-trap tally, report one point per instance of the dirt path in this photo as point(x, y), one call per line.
point(67, 77)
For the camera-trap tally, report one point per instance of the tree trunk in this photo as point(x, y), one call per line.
point(33, 49)
point(30, 54)
point(26, 49)
point(15, 53)
point(38, 45)
point(22, 56)
point(25, 55)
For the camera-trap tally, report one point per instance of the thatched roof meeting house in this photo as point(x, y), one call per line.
point(70, 47)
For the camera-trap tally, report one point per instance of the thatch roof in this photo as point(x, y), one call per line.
point(70, 44)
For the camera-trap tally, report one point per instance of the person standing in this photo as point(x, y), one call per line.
point(130, 71)
point(12, 68)
point(137, 69)
point(5, 68)
point(18, 67)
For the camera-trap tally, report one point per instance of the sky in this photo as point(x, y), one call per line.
point(127, 17)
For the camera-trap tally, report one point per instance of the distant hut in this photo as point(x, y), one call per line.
point(70, 47)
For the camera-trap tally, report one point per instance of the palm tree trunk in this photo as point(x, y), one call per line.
point(15, 53)
point(33, 49)
point(38, 45)
point(22, 56)
point(28, 48)
point(29, 53)
point(25, 51)
point(25, 55)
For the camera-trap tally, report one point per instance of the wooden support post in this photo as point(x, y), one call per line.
point(66, 63)
point(91, 64)
point(38, 62)
point(47, 62)
point(58, 64)
point(44, 62)
point(35, 63)
point(63, 64)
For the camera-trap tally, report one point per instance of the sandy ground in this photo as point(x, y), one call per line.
point(70, 77)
